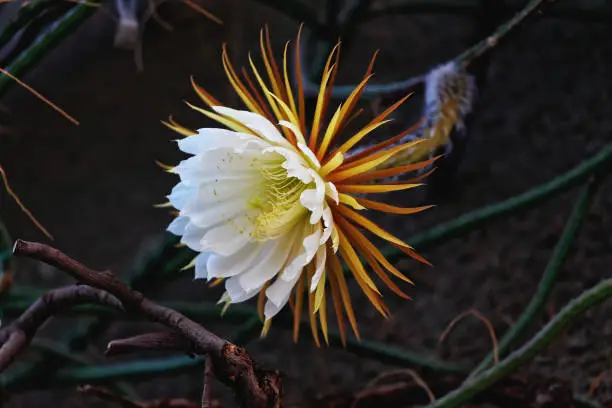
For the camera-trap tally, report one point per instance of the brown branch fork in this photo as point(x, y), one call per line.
point(253, 387)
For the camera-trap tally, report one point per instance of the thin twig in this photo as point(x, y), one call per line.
point(195, 6)
point(21, 205)
point(514, 361)
point(483, 319)
point(16, 336)
point(406, 371)
point(168, 341)
point(39, 96)
point(26, 13)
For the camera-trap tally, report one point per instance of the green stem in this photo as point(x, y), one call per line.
point(514, 361)
point(488, 43)
point(549, 278)
point(6, 248)
point(25, 14)
point(58, 350)
point(65, 26)
point(584, 402)
point(130, 370)
point(394, 355)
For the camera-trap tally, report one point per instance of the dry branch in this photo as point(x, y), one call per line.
point(254, 388)
point(150, 341)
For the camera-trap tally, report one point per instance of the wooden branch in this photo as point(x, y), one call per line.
point(150, 341)
point(16, 336)
point(231, 364)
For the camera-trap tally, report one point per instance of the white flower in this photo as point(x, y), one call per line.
point(253, 206)
point(271, 205)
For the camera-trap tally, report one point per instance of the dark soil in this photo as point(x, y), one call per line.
point(545, 107)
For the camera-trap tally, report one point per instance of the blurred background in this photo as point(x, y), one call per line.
point(543, 107)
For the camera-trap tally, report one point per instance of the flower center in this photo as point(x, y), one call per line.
point(277, 201)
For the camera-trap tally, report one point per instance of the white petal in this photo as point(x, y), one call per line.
point(278, 294)
point(256, 122)
point(335, 238)
point(225, 191)
point(212, 138)
point(191, 170)
point(200, 265)
point(219, 164)
point(309, 155)
point(314, 200)
point(228, 237)
point(214, 213)
point(295, 164)
point(332, 192)
point(180, 195)
point(298, 134)
point(192, 237)
point(320, 267)
point(304, 254)
point(328, 222)
point(235, 291)
point(177, 226)
point(272, 259)
point(227, 266)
